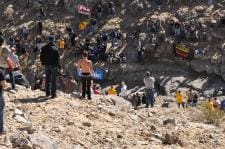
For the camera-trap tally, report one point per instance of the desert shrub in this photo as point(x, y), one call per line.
point(212, 115)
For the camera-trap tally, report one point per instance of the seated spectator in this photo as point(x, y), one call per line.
point(112, 91)
point(96, 90)
point(137, 100)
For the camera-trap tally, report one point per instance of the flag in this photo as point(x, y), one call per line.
point(84, 10)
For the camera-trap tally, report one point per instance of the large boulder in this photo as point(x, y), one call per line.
point(40, 140)
point(199, 66)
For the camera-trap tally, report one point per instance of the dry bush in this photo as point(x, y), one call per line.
point(212, 116)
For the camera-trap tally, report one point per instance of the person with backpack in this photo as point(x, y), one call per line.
point(50, 59)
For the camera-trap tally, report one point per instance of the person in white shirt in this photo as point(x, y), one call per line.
point(149, 89)
point(123, 90)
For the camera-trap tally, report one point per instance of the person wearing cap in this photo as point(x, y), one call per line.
point(50, 59)
point(149, 89)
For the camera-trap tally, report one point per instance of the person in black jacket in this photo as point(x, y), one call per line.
point(50, 59)
point(1, 38)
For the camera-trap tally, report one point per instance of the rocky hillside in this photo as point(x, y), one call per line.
point(32, 121)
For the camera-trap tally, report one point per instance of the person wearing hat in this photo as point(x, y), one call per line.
point(149, 89)
point(50, 59)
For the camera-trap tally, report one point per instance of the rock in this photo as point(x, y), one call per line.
point(170, 139)
point(157, 136)
point(198, 66)
point(119, 136)
point(87, 124)
point(169, 121)
point(111, 113)
point(20, 119)
point(209, 93)
point(156, 140)
point(29, 129)
point(40, 140)
point(18, 112)
point(26, 146)
point(153, 128)
point(19, 140)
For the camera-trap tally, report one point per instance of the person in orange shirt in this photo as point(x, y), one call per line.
point(180, 99)
point(112, 91)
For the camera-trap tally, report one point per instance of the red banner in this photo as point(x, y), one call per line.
point(84, 10)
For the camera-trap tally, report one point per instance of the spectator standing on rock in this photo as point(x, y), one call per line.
point(72, 36)
point(180, 99)
point(86, 68)
point(189, 96)
point(40, 27)
point(50, 59)
point(2, 102)
point(149, 89)
point(123, 90)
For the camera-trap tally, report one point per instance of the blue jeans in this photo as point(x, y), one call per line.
point(2, 105)
point(51, 76)
point(149, 97)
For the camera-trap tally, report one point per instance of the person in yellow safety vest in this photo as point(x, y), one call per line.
point(180, 99)
point(62, 44)
point(112, 91)
point(83, 25)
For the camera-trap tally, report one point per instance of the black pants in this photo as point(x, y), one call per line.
point(51, 76)
point(86, 85)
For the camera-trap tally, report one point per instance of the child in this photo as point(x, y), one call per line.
point(180, 99)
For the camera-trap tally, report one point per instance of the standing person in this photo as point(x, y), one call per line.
point(123, 90)
point(86, 69)
point(50, 59)
point(180, 99)
point(72, 36)
point(1, 38)
point(189, 96)
point(2, 102)
point(149, 89)
point(40, 28)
